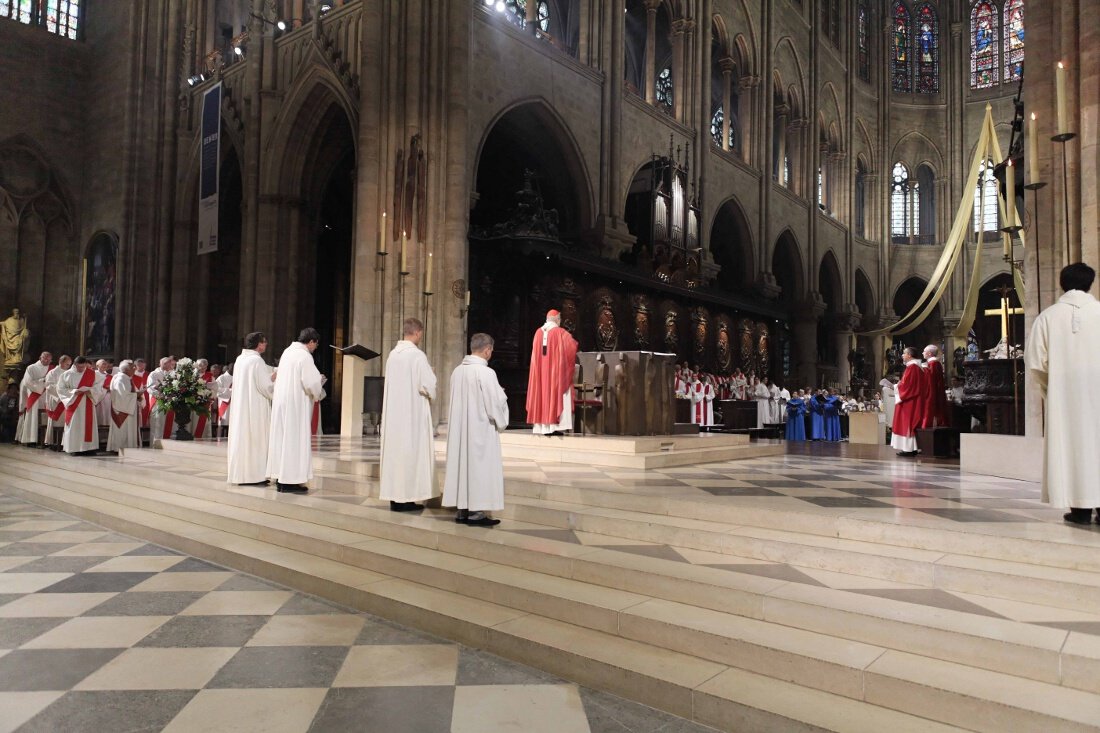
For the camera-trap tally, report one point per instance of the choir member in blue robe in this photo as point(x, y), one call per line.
point(832, 418)
point(817, 417)
point(796, 426)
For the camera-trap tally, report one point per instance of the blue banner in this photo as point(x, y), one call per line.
point(209, 157)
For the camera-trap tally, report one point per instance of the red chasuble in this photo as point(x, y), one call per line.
point(911, 397)
point(87, 379)
point(551, 375)
point(935, 399)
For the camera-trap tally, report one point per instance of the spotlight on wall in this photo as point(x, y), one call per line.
point(238, 50)
point(196, 79)
point(325, 7)
point(281, 25)
point(500, 5)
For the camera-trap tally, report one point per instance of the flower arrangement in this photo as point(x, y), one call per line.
point(183, 391)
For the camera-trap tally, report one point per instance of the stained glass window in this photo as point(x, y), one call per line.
point(928, 49)
point(863, 44)
point(900, 65)
point(716, 126)
point(820, 188)
point(987, 210)
point(787, 171)
point(61, 17)
point(1014, 40)
point(518, 9)
point(904, 204)
point(664, 89)
point(735, 119)
point(860, 199)
point(984, 69)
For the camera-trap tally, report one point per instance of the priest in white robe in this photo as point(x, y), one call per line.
point(160, 424)
point(474, 479)
point(763, 398)
point(888, 400)
point(80, 391)
point(773, 392)
point(408, 442)
point(55, 409)
point(223, 390)
point(1062, 357)
point(105, 376)
point(250, 419)
point(32, 401)
point(298, 385)
point(124, 430)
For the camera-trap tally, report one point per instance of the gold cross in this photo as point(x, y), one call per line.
point(1004, 312)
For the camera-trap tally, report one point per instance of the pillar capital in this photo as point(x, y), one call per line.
point(652, 5)
point(748, 82)
point(810, 309)
point(683, 25)
point(848, 319)
point(767, 286)
point(727, 64)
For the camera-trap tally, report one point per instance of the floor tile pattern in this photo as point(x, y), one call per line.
point(101, 632)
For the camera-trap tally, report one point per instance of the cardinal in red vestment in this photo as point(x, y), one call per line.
point(935, 399)
point(909, 411)
point(550, 385)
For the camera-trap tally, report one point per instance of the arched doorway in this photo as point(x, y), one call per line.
point(928, 332)
point(732, 247)
point(829, 286)
point(796, 355)
point(533, 208)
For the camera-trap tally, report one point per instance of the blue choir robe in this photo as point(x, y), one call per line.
point(796, 426)
point(832, 419)
point(817, 419)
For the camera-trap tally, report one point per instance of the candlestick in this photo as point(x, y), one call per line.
point(1010, 195)
point(1032, 150)
point(404, 261)
point(467, 298)
point(428, 275)
point(382, 236)
point(1006, 239)
point(1060, 96)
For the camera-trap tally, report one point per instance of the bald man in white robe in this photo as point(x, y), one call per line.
point(32, 402)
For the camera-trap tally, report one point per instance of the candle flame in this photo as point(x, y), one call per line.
point(1010, 161)
point(1032, 119)
point(1060, 65)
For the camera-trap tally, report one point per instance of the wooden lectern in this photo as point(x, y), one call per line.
point(356, 357)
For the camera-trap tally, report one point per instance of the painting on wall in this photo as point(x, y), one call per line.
point(100, 263)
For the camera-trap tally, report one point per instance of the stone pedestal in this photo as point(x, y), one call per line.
point(351, 401)
point(1005, 456)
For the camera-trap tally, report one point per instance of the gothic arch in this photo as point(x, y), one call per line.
point(307, 102)
point(914, 149)
point(867, 150)
point(788, 269)
point(537, 111)
point(864, 295)
point(790, 66)
point(732, 245)
point(829, 282)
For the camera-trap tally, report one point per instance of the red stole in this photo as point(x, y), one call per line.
point(87, 379)
point(316, 419)
point(33, 397)
point(138, 380)
point(223, 407)
point(107, 380)
point(200, 426)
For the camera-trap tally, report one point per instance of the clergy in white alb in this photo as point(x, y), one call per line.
point(124, 430)
point(474, 479)
point(223, 390)
point(32, 402)
point(773, 391)
point(250, 420)
point(298, 385)
point(160, 424)
point(763, 398)
point(888, 400)
point(80, 391)
point(55, 409)
point(105, 375)
point(408, 450)
point(1063, 357)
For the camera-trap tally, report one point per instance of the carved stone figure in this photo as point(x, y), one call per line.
point(14, 339)
point(641, 322)
point(672, 332)
point(763, 353)
point(699, 340)
point(748, 364)
point(725, 352)
point(607, 333)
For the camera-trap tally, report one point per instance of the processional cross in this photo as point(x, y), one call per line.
point(1004, 312)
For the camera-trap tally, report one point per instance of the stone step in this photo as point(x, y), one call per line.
point(1048, 545)
point(995, 644)
point(709, 692)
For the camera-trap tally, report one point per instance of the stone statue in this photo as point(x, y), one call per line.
point(14, 340)
point(607, 333)
point(725, 353)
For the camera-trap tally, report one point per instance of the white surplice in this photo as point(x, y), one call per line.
point(33, 383)
point(763, 398)
point(408, 443)
point(297, 387)
point(156, 419)
point(124, 401)
point(53, 427)
point(103, 407)
point(77, 438)
point(1063, 356)
point(784, 398)
point(773, 407)
point(250, 419)
point(223, 389)
point(474, 478)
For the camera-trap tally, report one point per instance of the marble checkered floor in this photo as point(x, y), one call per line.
point(102, 632)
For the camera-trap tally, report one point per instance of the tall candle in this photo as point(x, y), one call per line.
point(382, 236)
point(467, 298)
point(1032, 150)
point(404, 262)
point(1010, 194)
point(1007, 239)
point(428, 275)
point(1060, 96)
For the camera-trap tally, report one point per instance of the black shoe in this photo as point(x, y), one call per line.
point(265, 482)
point(405, 506)
point(462, 516)
point(484, 521)
point(1078, 516)
point(908, 454)
point(290, 488)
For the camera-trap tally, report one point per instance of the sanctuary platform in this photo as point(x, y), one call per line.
point(808, 591)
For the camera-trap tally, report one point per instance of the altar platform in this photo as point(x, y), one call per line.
point(837, 588)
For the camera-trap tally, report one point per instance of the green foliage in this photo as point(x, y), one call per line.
point(184, 391)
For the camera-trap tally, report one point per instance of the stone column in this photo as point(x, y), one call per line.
point(747, 108)
point(846, 323)
point(650, 48)
point(680, 30)
point(610, 230)
point(783, 115)
point(806, 316)
point(532, 18)
point(947, 357)
point(726, 65)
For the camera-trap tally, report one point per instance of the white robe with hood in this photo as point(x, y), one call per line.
point(250, 419)
point(474, 478)
point(408, 442)
point(1062, 356)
